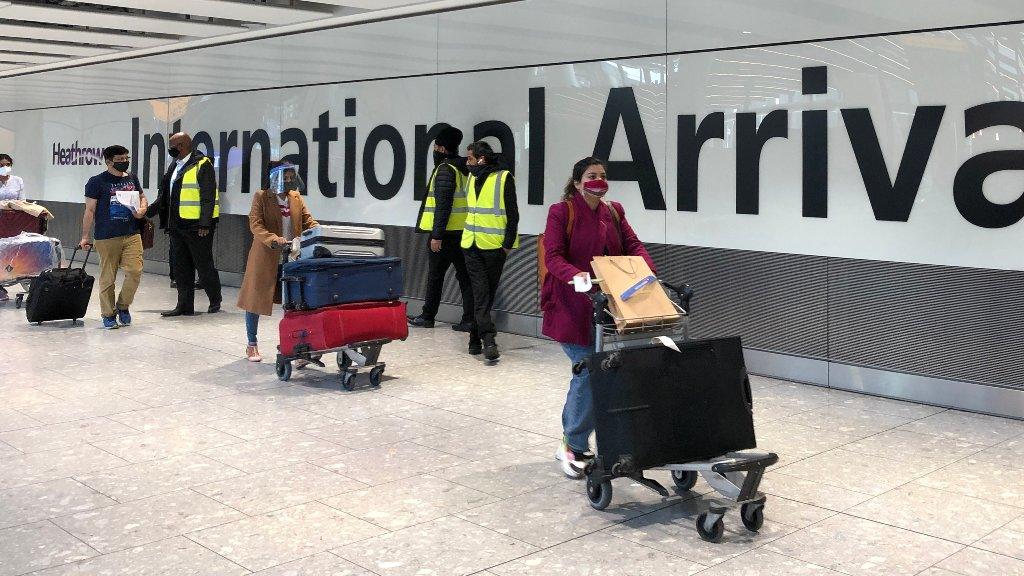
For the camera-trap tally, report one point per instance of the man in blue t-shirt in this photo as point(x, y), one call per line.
point(116, 205)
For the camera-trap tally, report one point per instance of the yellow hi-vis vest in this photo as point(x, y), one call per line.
point(457, 219)
point(486, 221)
point(188, 200)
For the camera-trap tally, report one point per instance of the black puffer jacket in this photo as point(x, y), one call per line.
point(445, 183)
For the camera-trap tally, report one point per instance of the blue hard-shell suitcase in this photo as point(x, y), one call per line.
point(320, 282)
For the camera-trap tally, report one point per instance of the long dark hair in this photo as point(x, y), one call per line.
point(578, 169)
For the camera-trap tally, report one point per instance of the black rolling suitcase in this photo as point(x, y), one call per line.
point(654, 406)
point(60, 293)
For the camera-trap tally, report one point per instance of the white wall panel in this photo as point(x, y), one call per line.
point(704, 24)
point(377, 50)
point(541, 31)
point(890, 77)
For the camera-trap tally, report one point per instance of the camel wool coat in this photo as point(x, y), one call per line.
point(260, 286)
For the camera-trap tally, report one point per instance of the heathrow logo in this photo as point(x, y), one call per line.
point(75, 155)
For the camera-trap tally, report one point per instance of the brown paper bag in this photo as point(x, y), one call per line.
point(648, 306)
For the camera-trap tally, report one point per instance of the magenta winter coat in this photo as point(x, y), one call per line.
point(567, 314)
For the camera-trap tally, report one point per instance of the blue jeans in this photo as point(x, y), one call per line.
point(252, 323)
point(578, 412)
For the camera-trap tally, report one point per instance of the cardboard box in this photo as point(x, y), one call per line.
point(648, 306)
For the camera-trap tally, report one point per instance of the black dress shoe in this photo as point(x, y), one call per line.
point(198, 285)
point(421, 322)
point(174, 284)
point(476, 348)
point(491, 352)
point(177, 312)
point(462, 327)
point(214, 308)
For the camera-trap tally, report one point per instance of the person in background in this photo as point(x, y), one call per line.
point(490, 234)
point(11, 187)
point(115, 206)
point(443, 216)
point(581, 226)
point(189, 208)
point(278, 214)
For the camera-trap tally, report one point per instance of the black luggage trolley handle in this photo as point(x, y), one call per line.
point(286, 280)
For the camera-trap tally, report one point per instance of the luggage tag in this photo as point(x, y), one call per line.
point(632, 290)
point(666, 342)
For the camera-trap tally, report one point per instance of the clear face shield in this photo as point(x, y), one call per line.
point(285, 178)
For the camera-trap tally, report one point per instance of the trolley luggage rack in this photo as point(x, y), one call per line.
point(735, 476)
point(351, 358)
point(25, 282)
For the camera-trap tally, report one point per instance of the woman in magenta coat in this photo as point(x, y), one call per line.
point(597, 228)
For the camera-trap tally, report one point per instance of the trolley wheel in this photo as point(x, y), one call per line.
point(684, 479)
point(717, 529)
point(284, 370)
point(375, 376)
point(348, 381)
point(19, 300)
point(752, 514)
point(599, 492)
point(343, 361)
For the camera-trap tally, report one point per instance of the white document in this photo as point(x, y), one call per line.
point(129, 198)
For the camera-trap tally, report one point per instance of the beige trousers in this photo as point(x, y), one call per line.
point(124, 252)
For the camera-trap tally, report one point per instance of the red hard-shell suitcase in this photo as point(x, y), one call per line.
point(14, 222)
point(337, 326)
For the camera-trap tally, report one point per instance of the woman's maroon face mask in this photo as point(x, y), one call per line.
point(596, 188)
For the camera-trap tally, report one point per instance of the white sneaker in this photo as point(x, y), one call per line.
point(573, 463)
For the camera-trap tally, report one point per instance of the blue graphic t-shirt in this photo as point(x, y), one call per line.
point(113, 217)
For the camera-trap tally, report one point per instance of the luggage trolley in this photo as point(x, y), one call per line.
point(735, 476)
point(351, 358)
point(24, 280)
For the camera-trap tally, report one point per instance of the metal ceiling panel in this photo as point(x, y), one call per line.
point(51, 48)
point(114, 21)
point(81, 36)
point(228, 10)
point(29, 58)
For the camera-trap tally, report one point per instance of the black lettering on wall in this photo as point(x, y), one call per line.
point(203, 139)
point(300, 158)
point(150, 142)
point(968, 186)
point(228, 140)
point(750, 141)
point(323, 135)
point(249, 140)
point(622, 104)
point(892, 201)
point(176, 127)
point(691, 139)
point(503, 133)
point(350, 162)
point(535, 187)
point(422, 153)
point(815, 145)
point(391, 135)
point(135, 145)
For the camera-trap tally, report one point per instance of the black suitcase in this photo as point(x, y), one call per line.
point(60, 293)
point(654, 406)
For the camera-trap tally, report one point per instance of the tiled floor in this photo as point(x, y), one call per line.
point(158, 450)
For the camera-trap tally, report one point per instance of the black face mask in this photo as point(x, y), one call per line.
point(173, 152)
point(477, 169)
point(439, 157)
point(121, 166)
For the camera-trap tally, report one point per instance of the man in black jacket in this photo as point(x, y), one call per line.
point(189, 208)
point(443, 216)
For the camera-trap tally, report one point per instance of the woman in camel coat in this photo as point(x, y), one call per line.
point(271, 209)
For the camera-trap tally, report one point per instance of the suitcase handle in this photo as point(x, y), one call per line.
point(75, 252)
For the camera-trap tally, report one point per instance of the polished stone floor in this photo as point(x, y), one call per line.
point(158, 449)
